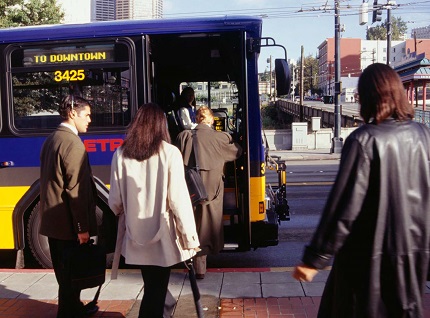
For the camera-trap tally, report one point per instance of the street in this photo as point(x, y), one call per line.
point(347, 108)
point(308, 186)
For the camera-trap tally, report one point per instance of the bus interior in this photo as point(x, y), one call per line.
point(213, 61)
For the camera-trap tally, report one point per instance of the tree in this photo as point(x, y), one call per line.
point(310, 74)
point(15, 13)
point(398, 29)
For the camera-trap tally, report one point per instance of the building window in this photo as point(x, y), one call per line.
point(384, 50)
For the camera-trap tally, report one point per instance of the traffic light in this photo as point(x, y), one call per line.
point(377, 12)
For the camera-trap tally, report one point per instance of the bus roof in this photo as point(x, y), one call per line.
point(54, 32)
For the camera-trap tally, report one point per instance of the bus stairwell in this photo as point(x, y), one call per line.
point(277, 205)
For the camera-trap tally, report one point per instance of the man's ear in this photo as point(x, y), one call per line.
point(72, 114)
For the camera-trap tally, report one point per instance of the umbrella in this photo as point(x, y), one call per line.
point(194, 287)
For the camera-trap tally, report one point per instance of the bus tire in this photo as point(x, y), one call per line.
point(38, 243)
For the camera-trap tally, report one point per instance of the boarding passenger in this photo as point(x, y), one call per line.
point(187, 108)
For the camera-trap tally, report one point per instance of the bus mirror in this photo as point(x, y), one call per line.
point(283, 77)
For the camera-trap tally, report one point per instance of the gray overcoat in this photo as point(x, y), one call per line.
point(215, 148)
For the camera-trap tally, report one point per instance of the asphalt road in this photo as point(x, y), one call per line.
point(308, 186)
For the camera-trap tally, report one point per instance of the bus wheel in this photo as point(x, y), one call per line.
point(39, 245)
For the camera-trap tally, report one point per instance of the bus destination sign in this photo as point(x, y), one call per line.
point(69, 55)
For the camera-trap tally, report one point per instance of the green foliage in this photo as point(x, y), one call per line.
point(28, 101)
point(15, 13)
point(310, 75)
point(265, 77)
point(398, 29)
point(272, 118)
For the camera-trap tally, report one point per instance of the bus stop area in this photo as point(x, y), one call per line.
point(225, 292)
point(251, 292)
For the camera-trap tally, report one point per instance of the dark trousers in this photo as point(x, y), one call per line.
point(156, 282)
point(69, 303)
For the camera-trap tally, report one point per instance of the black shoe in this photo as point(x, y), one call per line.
point(200, 276)
point(90, 309)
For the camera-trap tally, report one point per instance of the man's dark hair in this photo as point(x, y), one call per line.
point(71, 102)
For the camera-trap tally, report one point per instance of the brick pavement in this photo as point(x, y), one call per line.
point(31, 308)
point(286, 307)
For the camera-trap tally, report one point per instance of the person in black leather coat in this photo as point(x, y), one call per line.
point(376, 222)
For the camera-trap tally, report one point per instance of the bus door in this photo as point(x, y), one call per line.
point(213, 64)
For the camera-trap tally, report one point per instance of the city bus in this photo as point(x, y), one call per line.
point(119, 66)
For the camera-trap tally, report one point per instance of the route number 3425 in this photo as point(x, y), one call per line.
point(69, 75)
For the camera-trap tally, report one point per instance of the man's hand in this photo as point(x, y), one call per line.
point(304, 273)
point(83, 237)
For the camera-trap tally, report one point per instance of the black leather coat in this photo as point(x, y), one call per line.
point(377, 224)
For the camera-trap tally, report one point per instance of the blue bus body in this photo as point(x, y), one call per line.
point(119, 66)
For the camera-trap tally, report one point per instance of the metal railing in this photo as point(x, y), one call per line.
point(422, 116)
point(327, 118)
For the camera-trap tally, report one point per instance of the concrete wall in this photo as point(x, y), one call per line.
point(287, 139)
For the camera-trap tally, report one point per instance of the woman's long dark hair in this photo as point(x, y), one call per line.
point(382, 95)
point(146, 133)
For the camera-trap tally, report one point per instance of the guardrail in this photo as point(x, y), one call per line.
point(422, 116)
point(327, 118)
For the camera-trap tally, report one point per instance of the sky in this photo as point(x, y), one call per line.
point(297, 23)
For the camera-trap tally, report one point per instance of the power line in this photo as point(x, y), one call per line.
point(309, 10)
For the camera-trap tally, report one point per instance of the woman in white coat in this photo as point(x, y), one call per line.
point(148, 189)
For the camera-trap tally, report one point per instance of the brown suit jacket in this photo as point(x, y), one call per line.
point(68, 194)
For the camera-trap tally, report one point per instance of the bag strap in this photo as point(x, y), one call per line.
point(194, 137)
point(96, 297)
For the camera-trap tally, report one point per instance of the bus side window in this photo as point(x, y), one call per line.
point(37, 121)
point(41, 75)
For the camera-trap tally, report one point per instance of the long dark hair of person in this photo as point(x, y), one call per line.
point(382, 95)
point(146, 133)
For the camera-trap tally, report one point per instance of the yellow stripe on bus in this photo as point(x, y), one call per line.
point(257, 198)
point(9, 197)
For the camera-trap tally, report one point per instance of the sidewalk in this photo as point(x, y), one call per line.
point(242, 292)
point(252, 292)
point(312, 154)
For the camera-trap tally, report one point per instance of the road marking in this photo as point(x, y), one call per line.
point(310, 183)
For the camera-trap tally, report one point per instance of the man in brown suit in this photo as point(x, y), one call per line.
point(68, 198)
point(215, 148)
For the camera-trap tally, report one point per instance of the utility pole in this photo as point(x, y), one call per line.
point(302, 62)
point(337, 142)
point(269, 60)
point(388, 34)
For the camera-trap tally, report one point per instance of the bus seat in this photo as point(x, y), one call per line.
point(178, 119)
point(169, 107)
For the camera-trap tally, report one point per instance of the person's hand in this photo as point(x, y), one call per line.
point(304, 273)
point(83, 237)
